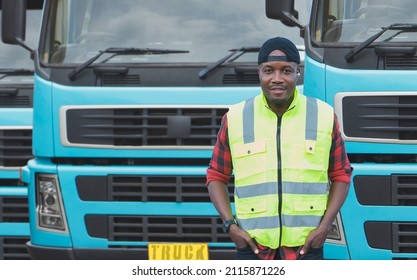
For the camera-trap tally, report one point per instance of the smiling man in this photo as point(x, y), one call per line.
point(289, 164)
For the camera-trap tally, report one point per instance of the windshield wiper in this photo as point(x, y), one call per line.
point(396, 26)
point(204, 73)
point(119, 51)
point(16, 71)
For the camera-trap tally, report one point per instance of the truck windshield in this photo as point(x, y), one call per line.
point(12, 57)
point(348, 22)
point(79, 29)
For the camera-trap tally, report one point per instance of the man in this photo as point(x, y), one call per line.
point(289, 162)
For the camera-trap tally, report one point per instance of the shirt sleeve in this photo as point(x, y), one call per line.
point(220, 167)
point(340, 169)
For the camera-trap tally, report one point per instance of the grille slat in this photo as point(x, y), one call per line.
point(388, 128)
point(138, 127)
point(381, 117)
point(10, 148)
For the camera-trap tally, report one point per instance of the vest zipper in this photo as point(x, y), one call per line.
point(279, 178)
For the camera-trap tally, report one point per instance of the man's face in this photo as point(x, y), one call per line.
point(278, 81)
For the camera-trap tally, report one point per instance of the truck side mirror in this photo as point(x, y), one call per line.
point(284, 11)
point(13, 25)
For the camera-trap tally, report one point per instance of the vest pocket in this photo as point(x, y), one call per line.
point(307, 157)
point(248, 149)
point(316, 160)
point(316, 153)
point(251, 207)
point(310, 204)
point(249, 160)
point(251, 214)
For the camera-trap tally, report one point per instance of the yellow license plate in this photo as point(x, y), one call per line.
point(178, 251)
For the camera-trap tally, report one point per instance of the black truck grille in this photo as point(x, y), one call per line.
point(247, 79)
point(139, 127)
point(14, 248)
point(14, 97)
point(399, 237)
point(401, 63)
point(18, 101)
point(394, 190)
point(404, 237)
point(14, 209)
point(15, 147)
point(156, 228)
point(392, 118)
point(151, 228)
point(145, 188)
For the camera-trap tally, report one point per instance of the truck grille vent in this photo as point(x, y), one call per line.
point(247, 79)
point(399, 237)
point(120, 80)
point(15, 147)
point(145, 188)
point(404, 190)
point(401, 63)
point(16, 101)
point(394, 190)
point(404, 237)
point(144, 127)
point(135, 161)
point(14, 210)
point(156, 228)
point(14, 248)
point(392, 118)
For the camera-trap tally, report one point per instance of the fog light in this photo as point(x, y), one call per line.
point(49, 208)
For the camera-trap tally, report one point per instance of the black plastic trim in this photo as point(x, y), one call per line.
point(379, 235)
point(373, 190)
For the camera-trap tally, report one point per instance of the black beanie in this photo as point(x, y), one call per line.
point(282, 44)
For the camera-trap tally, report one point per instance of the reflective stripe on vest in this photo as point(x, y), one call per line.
point(248, 120)
point(306, 140)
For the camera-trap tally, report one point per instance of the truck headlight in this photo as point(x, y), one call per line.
point(336, 234)
point(49, 203)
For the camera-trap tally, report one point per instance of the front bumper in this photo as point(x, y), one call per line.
point(140, 253)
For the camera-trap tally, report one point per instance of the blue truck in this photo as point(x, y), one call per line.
point(16, 96)
point(128, 100)
point(360, 57)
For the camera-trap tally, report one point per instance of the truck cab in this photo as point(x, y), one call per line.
point(16, 103)
point(361, 59)
point(129, 96)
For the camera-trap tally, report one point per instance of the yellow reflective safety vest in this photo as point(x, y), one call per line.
point(280, 166)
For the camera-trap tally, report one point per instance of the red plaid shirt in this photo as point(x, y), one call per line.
point(220, 169)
